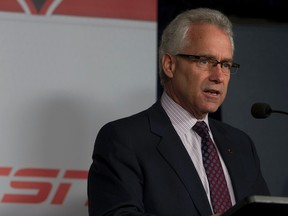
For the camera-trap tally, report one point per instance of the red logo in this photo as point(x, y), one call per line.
point(41, 181)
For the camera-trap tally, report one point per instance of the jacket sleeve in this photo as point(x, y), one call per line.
point(115, 181)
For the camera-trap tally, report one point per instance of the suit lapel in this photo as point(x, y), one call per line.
point(174, 152)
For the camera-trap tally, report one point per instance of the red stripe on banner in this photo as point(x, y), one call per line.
point(5, 171)
point(76, 174)
point(119, 9)
point(32, 172)
point(10, 5)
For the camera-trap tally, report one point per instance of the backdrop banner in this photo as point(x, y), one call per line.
point(67, 68)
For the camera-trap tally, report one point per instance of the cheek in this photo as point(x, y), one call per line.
point(189, 80)
point(183, 78)
point(187, 86)
point(194, 88)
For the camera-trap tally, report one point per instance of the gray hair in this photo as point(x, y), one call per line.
point(174, 35)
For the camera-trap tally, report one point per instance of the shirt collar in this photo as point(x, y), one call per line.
point(179, 117)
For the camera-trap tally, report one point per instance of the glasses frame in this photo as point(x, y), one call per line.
point(210, 59)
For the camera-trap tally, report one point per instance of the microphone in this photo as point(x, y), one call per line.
point(263, 110)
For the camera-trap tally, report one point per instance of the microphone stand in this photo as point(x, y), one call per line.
point(278, 111)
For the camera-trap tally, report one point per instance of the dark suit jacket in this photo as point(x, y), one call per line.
point(140, 167)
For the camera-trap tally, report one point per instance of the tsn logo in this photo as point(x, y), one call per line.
point(41, 181)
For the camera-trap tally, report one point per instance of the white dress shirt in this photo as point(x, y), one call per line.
point(183, 122)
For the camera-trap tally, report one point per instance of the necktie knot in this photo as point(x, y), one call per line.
point(201, 129)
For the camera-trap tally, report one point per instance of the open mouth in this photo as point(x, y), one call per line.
point(212, 92)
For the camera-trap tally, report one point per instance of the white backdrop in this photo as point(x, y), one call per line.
point(61, 79)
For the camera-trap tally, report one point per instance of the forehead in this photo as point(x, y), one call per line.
point(208, 39)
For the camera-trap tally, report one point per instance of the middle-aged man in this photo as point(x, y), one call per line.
point(172, 159)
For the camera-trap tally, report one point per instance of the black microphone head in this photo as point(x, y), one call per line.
point(261, 110)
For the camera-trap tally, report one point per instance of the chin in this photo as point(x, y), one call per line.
point(212, 109)
point(209, 107)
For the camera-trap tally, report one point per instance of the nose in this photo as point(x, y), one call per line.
point(217, 74)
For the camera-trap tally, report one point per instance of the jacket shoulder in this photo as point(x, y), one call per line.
point(227, 129)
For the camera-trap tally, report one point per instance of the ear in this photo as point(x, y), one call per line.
point(168, 65)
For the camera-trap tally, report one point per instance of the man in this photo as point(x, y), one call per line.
point(156, 162)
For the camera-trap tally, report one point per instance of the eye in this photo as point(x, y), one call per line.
point(227, 65)
point(204, 60)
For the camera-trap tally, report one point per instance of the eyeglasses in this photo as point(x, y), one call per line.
point(207, 63)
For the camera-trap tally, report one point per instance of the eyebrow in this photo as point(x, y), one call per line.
point(222, 60)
